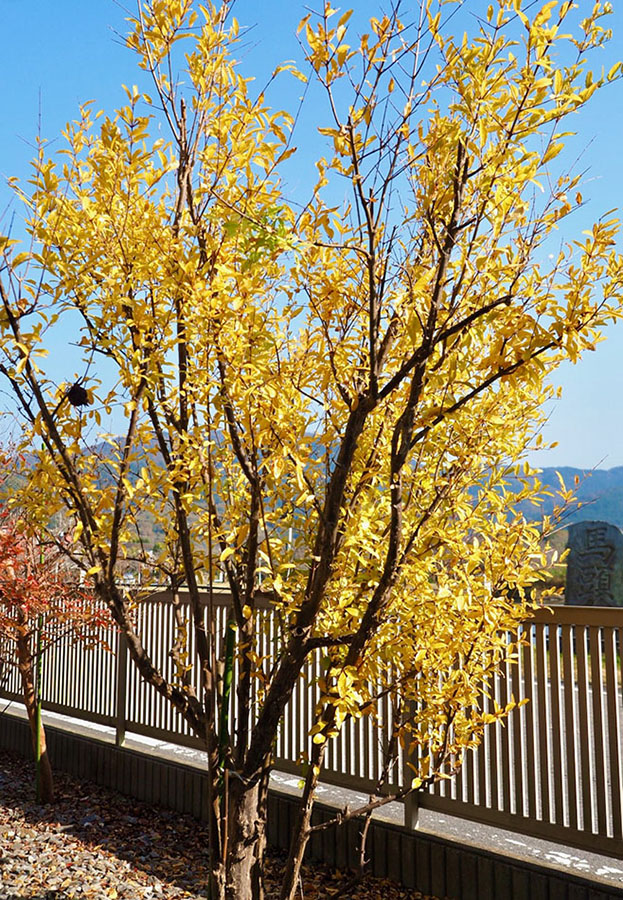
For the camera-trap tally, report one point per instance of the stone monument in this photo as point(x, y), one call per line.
point(594, 565)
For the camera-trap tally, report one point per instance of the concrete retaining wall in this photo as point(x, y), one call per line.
point(415, 859)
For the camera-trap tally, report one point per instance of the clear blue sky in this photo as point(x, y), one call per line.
point(54, 55)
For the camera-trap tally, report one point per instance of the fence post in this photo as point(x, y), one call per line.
point(122, 684)
point(412, 809)
point(411, 802)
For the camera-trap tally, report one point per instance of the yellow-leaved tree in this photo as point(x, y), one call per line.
point(326, 403)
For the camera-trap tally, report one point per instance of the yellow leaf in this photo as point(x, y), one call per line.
point(552, 151)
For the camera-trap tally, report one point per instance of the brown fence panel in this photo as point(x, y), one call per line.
point(557, 769)
point(554, 769)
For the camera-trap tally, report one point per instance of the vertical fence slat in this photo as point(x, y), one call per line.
point(518, 717)
point(94, 684)
point(598, 732)
point(142, 717)
point(485, 754)
point(493, 759)
point(505, 740)
point(529, 766)
point(557, 726)
point(569, 681)
point(161, 624)
point(121, 688)
point(544, 720)
point(614, 696)
point(64, 680)
point(459, 784)
point(584, 718)
point(53, 653)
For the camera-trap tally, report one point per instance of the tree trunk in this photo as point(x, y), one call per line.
point(25, 665)
point(247, 806)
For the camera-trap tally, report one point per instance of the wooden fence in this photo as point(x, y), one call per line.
point(552, 770)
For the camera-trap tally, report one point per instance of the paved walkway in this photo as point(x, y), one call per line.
point(604, 869)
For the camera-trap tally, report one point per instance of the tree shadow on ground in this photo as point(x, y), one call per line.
point(167, 845)
point(155, 842)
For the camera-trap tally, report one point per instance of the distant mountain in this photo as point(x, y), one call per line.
point(600, 492)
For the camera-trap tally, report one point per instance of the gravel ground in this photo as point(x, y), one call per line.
point(95, 843)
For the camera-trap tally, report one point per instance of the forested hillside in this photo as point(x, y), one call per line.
point(599, 492)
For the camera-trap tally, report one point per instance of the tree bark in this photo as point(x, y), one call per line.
point(246, 811)
point(25, 665)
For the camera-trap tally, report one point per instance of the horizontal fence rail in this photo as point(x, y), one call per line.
point(552, 769)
